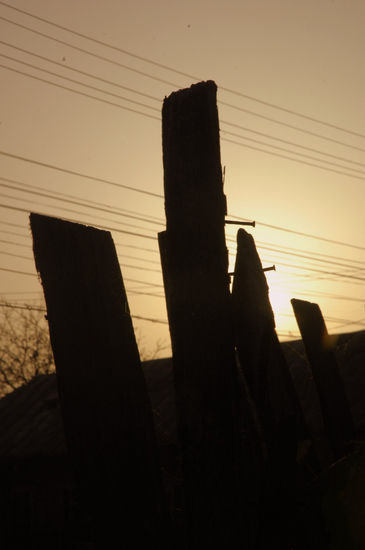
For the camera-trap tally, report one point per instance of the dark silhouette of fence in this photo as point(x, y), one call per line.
point(237, 411)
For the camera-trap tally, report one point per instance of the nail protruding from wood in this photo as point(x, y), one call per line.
point(236, 222)
point(271, 268)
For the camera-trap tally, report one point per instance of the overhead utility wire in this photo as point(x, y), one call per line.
point(294, 159)
point(294, 152)
point(72, 211)
point(222, 121)
point(278, 262)
point(12, 224)
point(287, 142)
point(119, 256)
point(12, 243)
point(322, 271)
point(176, 71)
point(174, 84)
point(223, 139)
point(159, 221)
point(278, 249)
point(79, 92)
point(15, 234)
point(84, 73)
point(80, 174)
point(78, 82)
point(29, 258)
point(27, 211)
point(122, 211)
point(18, 272)
point(260, 244)
point(301, 233)
point(97, 56)
point(264, 247)
point(293, 127)
point(44, 310)
point(75, 202)
point(108, 182)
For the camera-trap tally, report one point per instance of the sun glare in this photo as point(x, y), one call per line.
point(280, 301)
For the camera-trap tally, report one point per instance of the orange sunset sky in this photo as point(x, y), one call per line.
point(82, 86)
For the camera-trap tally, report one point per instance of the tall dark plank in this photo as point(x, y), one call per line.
point(106, 409)
point(195, 266)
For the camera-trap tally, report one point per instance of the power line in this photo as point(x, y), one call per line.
point(18, 209)
point(78, 82)
point(15, 255)
point(324, 295)
point(224, 122)
point(294, 127)
point(79, 71)
point(72, 211)
point(181, 73)
point(223, 139)
point(14, 234)
point(78, 92)
point(44, 310)
point(12, 224)
point(314, 254)
point(293, 159)
point(158, 110)
point(309, 235)
point(262, 245)
point(18, 272)
point(12, 243)
point(117, 210)
point(92, 54)
point(80, 174)
point(295, 152)
point(72, 201)
point(287, 142)
point(175, 85)
point(337, 274)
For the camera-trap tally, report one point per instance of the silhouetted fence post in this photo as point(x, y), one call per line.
point(195, 265)
point(105, 406)
point(271, 386)
point(337, 417)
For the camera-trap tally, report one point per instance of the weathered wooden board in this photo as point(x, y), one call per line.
point(195, 265)
point(336, 411)
point(106, 409)
point(271, 387)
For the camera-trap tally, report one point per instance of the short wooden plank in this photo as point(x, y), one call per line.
point(335, 407)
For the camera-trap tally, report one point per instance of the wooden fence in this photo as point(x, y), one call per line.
point(237, 411)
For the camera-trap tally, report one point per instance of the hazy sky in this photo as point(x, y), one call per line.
point(272, 61)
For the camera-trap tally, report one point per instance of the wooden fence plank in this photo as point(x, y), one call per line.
point(336, 411)
point(271, 386)
point(195, 263)
point(106, 409)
